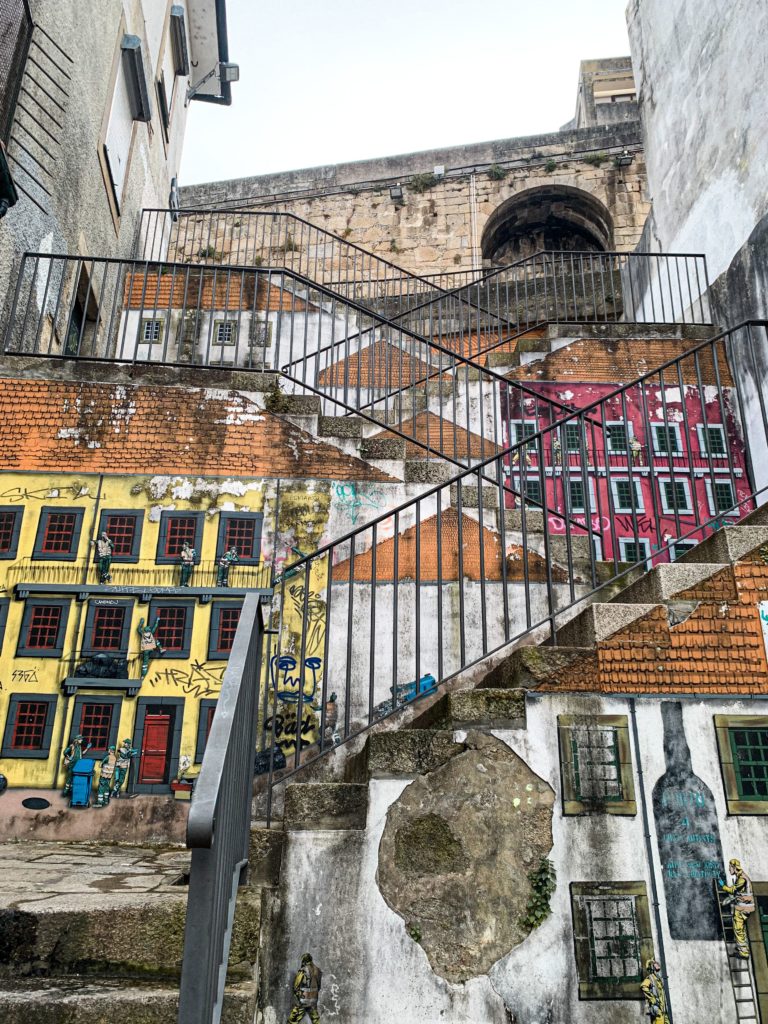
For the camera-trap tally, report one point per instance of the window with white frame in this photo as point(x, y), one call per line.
point(574, 437)
point(720, 496)
point(666, 439)
point(118, 136)
point(576, 500)
point(676, 497)
point(520, 429)
point(530, 486)
point(224, 332)
point(680, 547)
point(634, 549)
point(712, 440)
point(627, 495)
point(152, 331)
point(617, 436)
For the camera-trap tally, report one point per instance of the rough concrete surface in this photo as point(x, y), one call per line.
point(478, 824)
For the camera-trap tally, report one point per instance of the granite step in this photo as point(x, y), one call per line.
point(472, 709)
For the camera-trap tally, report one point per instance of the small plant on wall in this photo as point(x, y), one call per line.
point(423, 182)
point(550, 166)
point(543, 883)
point(496, 172)
point(595, 159)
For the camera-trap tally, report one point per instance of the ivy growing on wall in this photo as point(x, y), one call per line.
point(423, 182)
point(543, 883)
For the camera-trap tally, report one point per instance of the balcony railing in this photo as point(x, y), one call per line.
point(144, 576)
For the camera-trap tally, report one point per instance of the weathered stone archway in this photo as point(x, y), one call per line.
point(548, 217)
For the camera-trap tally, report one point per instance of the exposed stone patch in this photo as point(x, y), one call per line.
point(456, 851)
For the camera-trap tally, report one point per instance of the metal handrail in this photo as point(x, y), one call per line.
point(218, 828)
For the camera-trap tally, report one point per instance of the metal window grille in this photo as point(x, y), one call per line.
point(181, 530)
point(96, 724)
point(596, 768)
point(228, 620)
point(151, 331)
point(29, 727)
point(59, 533)
point(750, 759)
point(241, 533)
point(170, 631)
point(121, 530)
point(723, 493)
point(614, 947)
point(7, 524)
point(107, 630)
point(43, 629)
point(15, 37)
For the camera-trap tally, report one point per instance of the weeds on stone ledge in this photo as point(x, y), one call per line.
point(543, 883)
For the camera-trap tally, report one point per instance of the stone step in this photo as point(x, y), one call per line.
point(382, 448)
point(311, 806)
point(294, 405)
point(481, 708)
point(104, 1001)
point(470, 497)
point(527, 667)
point(667, 580)
point(428, 471)
point(599, 621)
point(405, 752)
point(728, 545)
point(759, 517)
point(340, 426)
point(513, 520)
point(580, 546)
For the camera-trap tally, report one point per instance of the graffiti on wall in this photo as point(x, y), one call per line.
point(291, 684)
point(352, 500)
point(199, 680)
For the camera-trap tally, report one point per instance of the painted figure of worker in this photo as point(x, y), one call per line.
point(104, 547)
point(654, 994)
point(227, 560)
point(306, 992)
point(122, 763)
point(187, 556)
point(148, 644)
point(742, 903)
point(72, 755)
point(106, 776)
point(636, 451)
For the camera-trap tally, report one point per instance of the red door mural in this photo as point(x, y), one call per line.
point(155, 754)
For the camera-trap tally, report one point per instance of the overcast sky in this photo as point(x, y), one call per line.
point(324, 81)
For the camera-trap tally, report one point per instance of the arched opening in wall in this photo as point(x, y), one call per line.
point(550, 217)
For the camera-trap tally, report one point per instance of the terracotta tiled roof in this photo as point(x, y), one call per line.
point(446, 567)
point(618, 362)
point(191, 289)
point(81, 427)
point(378, 365)
point(441, 435)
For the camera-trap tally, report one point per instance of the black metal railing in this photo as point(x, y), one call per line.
point(16, 35)
point(145, 575)
point(218, 829)
point(182, 315)
point(480, 562)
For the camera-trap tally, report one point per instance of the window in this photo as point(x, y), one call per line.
point(612, 938)
point(531, 487)
point(712, 440)
point(633, 550)
point(152, 332)
point(627, 496)
point(118, 135)
point(666, 439)
point(175, 626)
point(596, 765)
point(720, 496)
point(176, 528)
point(204, 723)
point(225, 616)
point(97, 720)
point(10, 527)
point(676, 497)
point(123, 527)
point(617, 436)
point(28, 725)
point(243, 531)
point(224, 332)
point(520, 429)
point(58, 534)
point(573, 435)
point(680, 547)
point(107, 627)
point(260, 335)
point(42, 629)
point(575, 495)
point(4, 606)
point(742, 742)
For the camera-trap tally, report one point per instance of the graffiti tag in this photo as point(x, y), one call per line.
point(352, 501)
point(287, 683)
point(24, 675)
point(197, 681)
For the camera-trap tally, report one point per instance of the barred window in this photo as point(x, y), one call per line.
point(596, 764)
point(151, 332)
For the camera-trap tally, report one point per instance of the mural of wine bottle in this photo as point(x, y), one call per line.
point(688, 836)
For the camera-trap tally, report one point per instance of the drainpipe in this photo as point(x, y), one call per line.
point(78, 619)
point(476, 261)
point(649, 856)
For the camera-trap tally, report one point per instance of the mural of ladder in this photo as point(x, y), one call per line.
point(739, 969)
